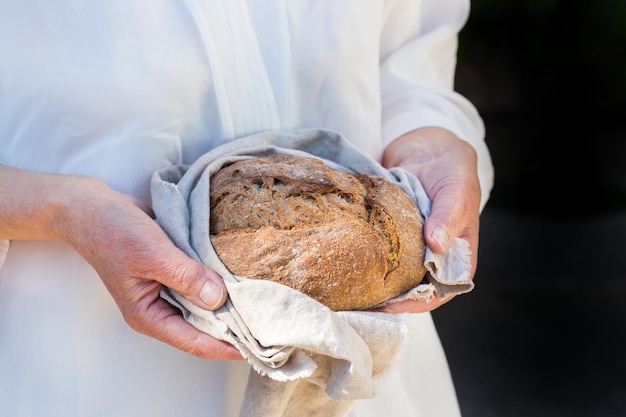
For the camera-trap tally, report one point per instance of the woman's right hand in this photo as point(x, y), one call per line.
point(129, 251)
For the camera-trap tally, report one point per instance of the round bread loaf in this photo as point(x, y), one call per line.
point(348, 241)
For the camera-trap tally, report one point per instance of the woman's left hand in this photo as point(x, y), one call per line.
point(447, 168)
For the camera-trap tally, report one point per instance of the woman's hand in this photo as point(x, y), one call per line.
point(129, 251)
point(446, 167)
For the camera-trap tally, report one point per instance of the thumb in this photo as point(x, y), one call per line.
point(201, 285)
point(444, 221)
point(437, 236)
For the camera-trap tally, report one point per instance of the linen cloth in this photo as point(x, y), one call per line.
point(303, 355)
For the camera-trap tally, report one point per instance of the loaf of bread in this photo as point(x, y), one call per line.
point(348, 241)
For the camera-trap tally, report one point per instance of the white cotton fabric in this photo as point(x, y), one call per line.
point(119, 90)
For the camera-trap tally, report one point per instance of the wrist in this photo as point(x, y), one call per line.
point(70, 204)
point(425, 145)
point(411, 145)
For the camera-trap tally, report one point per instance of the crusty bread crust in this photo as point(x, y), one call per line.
point(349, 241)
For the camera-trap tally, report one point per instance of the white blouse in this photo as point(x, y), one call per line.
point(118, 90)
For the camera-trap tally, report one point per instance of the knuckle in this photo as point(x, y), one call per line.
point(183, 276)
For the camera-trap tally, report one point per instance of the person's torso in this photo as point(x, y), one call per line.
point(118, 90)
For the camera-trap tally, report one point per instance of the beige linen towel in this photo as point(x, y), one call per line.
point(306, 359)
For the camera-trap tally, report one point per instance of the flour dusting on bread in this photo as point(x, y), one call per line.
point(349, 241)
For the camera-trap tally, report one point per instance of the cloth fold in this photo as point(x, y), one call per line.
point(301, 352)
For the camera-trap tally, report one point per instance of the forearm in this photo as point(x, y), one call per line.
point(33, 204)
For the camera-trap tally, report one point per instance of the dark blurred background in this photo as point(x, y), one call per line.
point(544, 331)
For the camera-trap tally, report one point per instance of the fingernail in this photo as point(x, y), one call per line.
point(440, 237)
point(212, 295)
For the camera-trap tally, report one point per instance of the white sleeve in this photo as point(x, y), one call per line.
point(418, 60)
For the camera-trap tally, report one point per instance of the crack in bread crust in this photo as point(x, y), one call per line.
point(349, 241)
